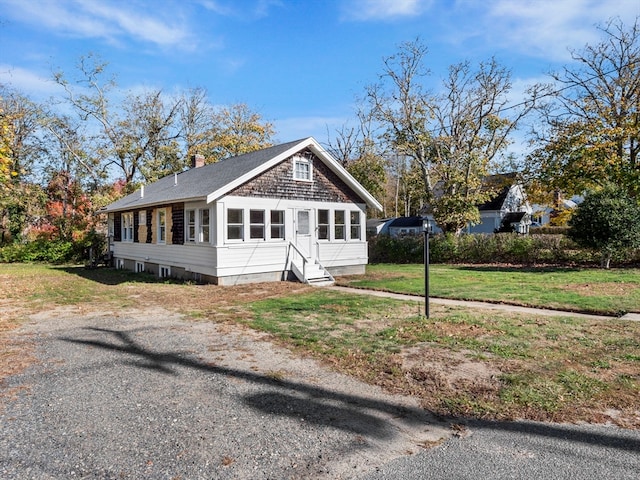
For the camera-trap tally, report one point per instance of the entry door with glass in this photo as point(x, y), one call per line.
point(304, 232)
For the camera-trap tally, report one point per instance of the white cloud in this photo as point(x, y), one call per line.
point(28, 82)
point(246, 10)
point(365, 10)
point(95, 19)
point(549, 28)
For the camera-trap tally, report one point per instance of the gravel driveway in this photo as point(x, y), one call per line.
point(146, 394)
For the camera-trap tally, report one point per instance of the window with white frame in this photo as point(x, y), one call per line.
point(301, 168)
point(235, 224)
point(355, 225)
point(190, 220)
point(164, 271)
point(323, 224)
point(127, 227)
point(139, 267)
point(142, 217)
point(162, 225)
point(339, 225)
point(277, 224)
point(256, 224)
point(204, 225)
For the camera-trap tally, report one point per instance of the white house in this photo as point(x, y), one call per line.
point(284, 212)
point(506, 210)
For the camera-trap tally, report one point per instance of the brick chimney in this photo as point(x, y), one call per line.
point(197, 161)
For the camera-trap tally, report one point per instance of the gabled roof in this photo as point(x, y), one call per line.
point(406, 222)
point(213, 181)
point(500, 184)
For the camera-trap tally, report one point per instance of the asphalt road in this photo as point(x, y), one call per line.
point(525, 450)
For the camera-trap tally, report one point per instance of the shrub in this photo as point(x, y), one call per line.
point(53, 251)
point(484, 248)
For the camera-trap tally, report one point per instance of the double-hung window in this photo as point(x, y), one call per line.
point(339, 225)
point(256, 224)
point(323, 224)
point(301, 168)
point(162, 225)
point(277, 224)
point(235, 224)
point(355, 225)
point(191, 225)
point(204, 226)
point(127, 227)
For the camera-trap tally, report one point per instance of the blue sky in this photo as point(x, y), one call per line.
point(299, 63)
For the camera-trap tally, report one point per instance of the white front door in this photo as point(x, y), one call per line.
point(304, 232)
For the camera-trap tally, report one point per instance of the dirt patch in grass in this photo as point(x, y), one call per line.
point(451, 367)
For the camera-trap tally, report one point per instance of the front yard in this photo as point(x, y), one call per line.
point(591, 290)
point(460, 363)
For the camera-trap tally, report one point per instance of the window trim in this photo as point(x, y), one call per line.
point(127, 227)
point(260, 225)
point(202, 226)
point(355, 225)
point(336, 225)
point(302, 160)
point(229, 225)
point(282, 227)
point(191, 226)
point(162, 227)
point(164, 271)
point(324, 226)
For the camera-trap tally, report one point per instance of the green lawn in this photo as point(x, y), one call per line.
point(614, 291)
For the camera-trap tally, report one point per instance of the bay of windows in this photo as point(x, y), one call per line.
point(263, 224)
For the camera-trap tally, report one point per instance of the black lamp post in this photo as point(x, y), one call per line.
point(426, 228)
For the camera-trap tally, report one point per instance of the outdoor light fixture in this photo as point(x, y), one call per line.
point(426, 228)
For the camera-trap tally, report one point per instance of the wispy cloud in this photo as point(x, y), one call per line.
point(545, 28)
point(248, 10)
point(366, 10)
point(27, 81)
point(112, 21)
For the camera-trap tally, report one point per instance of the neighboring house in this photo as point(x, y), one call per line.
point(284, 212)
point(497, 214)
point(378, 226)
point(403, 226)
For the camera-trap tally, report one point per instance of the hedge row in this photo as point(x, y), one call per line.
point(482, 249)
point(53, 251)
point(39, 251)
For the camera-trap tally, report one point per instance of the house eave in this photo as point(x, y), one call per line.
point(142, 205)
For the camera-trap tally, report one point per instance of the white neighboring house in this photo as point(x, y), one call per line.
point(506, 210)
point(286, 212)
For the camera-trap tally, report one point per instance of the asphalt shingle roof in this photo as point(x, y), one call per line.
point(198, 182)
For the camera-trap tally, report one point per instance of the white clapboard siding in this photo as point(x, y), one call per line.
point(342, 253)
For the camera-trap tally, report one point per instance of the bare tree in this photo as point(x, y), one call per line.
point(129, 136)
point(592, 134)
point(456, 136)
